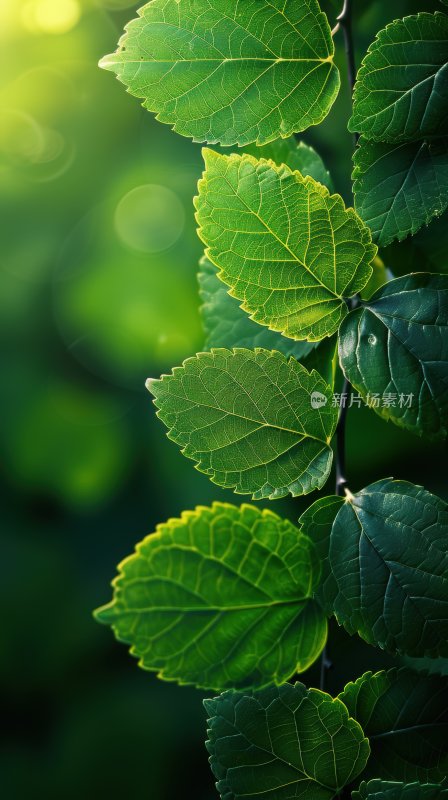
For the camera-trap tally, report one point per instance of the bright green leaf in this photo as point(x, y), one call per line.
point(400, 187)
point(289, 250)
point(220, 597)
point(401, 91)
point(394, 351)
point(246, 417)
point(296, 155)
point(391, 790)
point(388, 556)
point(230, 71)
point(282, 743)
point(405, 717)
point(227, 325)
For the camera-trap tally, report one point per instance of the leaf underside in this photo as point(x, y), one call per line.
point(387, 556)
point(283, 743)
point(400, 187)
point(245, 417)
point(396, 345)
point(220, 598)
point(405, 717)
point(288, 250)
point(230, 71)
point(401, 91)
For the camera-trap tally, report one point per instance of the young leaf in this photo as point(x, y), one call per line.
point(289, 250)
point(401, 91)
point(281, 743)
point(390, 790)
point(405, 716)
point(400, 187)
point(388, 557)
point(247, 418)
point(395, 347)
point(227, 325)
point(296, 155)
point(220, 597)
point(230, 71)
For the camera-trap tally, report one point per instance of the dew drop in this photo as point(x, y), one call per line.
point(372, 339)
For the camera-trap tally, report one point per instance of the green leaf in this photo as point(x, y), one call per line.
point(401, 91)
point(230, 71)
point(282, 743)
point(288, 249)
point(220, 597)
point(394, 351)
point(390, 790)
point(388, 557)
point(246, 418)
point(400, 187)
point(428, 250)
point(296, 155)
point(405, 717)
point(227, 325)
point(317, 521)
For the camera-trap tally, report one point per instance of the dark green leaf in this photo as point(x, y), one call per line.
point(394, 351)
point(400, 187)
point(247, 418)
point(388, 557)
point(230, 71)
point(390, 790)
point(220, 597)
point(428, 250)
point(317, 521)
point(405, 717)
point(283, 743)
point(401, 91)
point(289, 250)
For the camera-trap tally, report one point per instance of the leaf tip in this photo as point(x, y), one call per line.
point(108, 62)
point(105, 614)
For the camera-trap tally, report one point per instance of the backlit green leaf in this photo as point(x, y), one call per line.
point(400, 187)
point(394, 351)
point(401, 91)
point(391, 790)
point(405, 717)
point(282, 743)
point(220, 597)
point(227, 325)
point(288, 249)
point(230, 71)
point(388, 557)
point(246, 417)
point(296, 155)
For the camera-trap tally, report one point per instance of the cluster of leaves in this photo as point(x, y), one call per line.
point(236, 599)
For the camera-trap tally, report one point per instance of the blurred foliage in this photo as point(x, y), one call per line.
point(98, 263)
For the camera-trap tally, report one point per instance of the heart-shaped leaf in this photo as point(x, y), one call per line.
point(394, 351)
point(220, 597)
point(289, 250)
point(405, 716)
point(252, 420)
point(230, 71)
point(401, 91)
point(284, 742)
point(387, 557)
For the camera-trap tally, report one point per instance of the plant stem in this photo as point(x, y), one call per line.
point(344, 22)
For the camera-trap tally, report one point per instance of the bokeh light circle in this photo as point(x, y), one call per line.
point(149, 218)
point(51, 16)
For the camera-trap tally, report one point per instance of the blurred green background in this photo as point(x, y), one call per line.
point(98, 260)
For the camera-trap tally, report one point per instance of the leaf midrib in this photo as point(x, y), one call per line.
point(410, 729)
